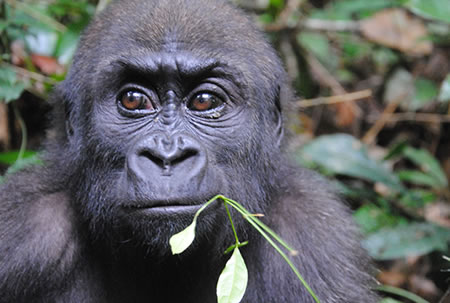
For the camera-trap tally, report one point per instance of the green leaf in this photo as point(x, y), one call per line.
point(233, 280)
point(433, 9)
point(343, 154)
point(416, 177)
point(182, 240)
point(444, 94)
point(353, 49)
point(348, 9)
point(400, 88)
point(426, 91)
point(428, 164)
point(396, 150)
point(66, 46)
point(401, 292)
point(11, 92)
point(417, 198)
point(7, 75)
point(10, 87)
point(3, 25)
point(413, 239)
point(319, 45)
point(384, 58)
point(11, 157)
point(371, 218)
point(277, 3)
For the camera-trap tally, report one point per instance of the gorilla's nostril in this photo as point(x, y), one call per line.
point(147, 155)
point(185, 155)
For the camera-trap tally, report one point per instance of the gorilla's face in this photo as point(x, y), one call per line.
point(180, 124)
point(168, 124)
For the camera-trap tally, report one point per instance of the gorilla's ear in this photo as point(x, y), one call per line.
point(282, 100)
point(68, 114)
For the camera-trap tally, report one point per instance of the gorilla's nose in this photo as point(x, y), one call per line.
point(165, 155)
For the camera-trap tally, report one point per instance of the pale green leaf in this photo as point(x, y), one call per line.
point(426, 91)
point(233, 280)
point(401, 293)
point(418, 178)
point(182, 240)
point(433, 9)
point(12, 156)
point(319, 45)
point(444, 95)
point(10, 86)
point(414, 239)
point(428, 164)
point(343, 154)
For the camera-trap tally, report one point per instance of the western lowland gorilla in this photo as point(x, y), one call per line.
point(167, 104)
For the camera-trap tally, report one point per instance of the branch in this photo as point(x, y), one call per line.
point(31, 75)
point(418, 117)
point(330, 26)
point(372, 133)
point(316, 25)
point(355, 96)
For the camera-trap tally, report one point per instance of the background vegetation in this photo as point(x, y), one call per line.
point(374, 77)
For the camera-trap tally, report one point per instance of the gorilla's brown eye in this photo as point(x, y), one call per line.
point(204, 101)
point(135, 100)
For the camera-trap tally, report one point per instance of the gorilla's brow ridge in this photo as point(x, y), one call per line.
point(165, 63)
point(184, 67)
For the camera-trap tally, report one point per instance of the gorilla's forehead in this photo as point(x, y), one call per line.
point(162, 24)
point(174, 26)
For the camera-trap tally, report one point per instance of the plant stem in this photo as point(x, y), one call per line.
point(231, 221)
point(206, 205)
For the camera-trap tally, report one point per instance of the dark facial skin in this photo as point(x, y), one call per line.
point(167, 104)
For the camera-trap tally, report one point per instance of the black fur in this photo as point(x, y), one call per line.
point(93, 223)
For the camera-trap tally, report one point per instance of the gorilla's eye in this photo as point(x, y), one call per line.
point(204, 102)
point(135, 100)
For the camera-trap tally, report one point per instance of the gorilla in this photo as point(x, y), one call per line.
point(167, 104)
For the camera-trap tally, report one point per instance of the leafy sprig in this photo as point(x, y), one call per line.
point(233, 280)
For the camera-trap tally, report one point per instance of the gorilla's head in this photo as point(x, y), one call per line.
point(164, 110)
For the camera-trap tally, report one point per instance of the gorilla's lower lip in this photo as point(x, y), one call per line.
point(165, 209)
